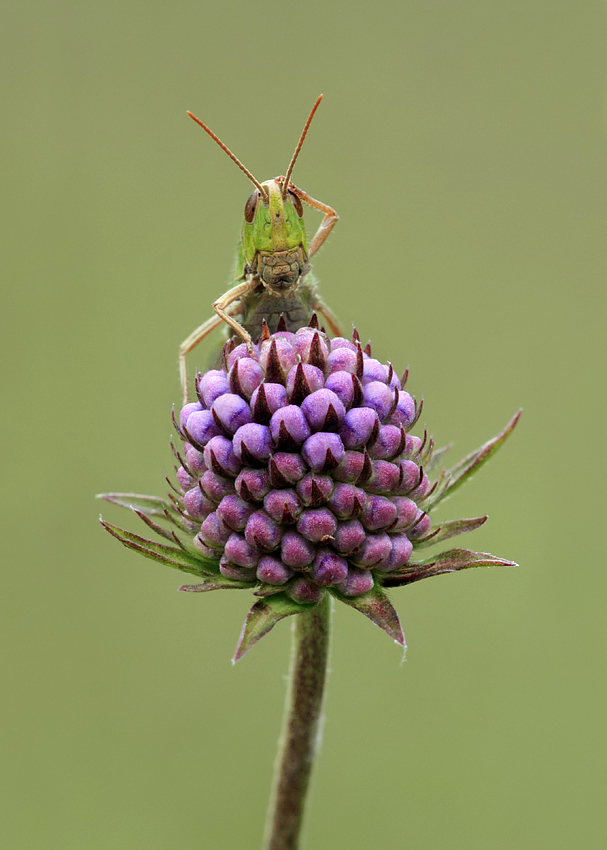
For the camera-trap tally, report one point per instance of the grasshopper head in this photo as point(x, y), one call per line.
point(274, 239)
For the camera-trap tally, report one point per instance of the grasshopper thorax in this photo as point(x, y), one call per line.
point(274, 240)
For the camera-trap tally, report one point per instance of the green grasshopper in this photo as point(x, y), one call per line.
point(272, 264)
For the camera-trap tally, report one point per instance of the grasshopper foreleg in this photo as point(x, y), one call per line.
point(326, 225)
point(205, 329)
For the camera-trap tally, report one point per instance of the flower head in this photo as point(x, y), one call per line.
point(299, 477)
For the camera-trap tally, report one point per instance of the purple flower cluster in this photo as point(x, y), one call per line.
point(299, 471)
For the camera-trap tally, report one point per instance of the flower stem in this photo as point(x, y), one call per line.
point(300, 733)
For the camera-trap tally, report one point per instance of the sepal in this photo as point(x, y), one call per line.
point(377, 607)
point(216, 584)
point(463, 470)
point(450, 529)
point(447, 562)
point(262, 617)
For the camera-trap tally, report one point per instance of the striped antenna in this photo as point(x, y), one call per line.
point(234, 158)
point(285, 185)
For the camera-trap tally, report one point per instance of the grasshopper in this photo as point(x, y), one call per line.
point(272, 264)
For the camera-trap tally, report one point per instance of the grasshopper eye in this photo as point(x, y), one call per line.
point(297, 204)
point(250, 207)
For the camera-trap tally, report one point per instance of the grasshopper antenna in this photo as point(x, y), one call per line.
point(285, 185)
point(235, 159)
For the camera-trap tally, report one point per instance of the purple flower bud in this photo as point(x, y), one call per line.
point(205, 551)
point(284, 506)
point(234, 512)
point(409, 477)
point(420, 527)
point(274, 395)
point(201, 427)
point(296, 551)
point(245, 376)
point(341, 342)
point(422, 490)
point(185, 479)
point(322, 452)
point(399, 555)
point(302, 590)
point(241, 552)
point(253, 484)
point(347, 501)
point(288, 426)
point(328, 568)
point(252, 442)
point(318, 525)
point(342, 360)
point(387, 443)
point(349, 536)
point(342, 384)
point(314, 489)
point(285, 352)
point(211, 385)
point(262, 531)
point(412, 446)
point(219, 456)
point(378, 513)
point(272, 571)
point(405, 410)
point(380, 397)
point(304, 342)
point(186, 410)
point(215, 487)
point(232, 411)
point(197, 505)
point(406, 512)
point(350, 467)
point(375, 550)
point(195, 461)
point(308, 377)
point(230, 570)
point(384, 478)
point(358, 426)
point(240, 352)
point(373, 370)
point(323, 410)
point(214, 532)
point(356, 583)
point(286, 469)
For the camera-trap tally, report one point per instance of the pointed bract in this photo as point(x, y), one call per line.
point(262, 617)
point(377, 607)
point(447, 562)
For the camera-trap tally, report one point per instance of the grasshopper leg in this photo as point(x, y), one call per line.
point(326, 225)
point(327, 312)
point(228, 298)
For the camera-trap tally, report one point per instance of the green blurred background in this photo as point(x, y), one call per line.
point(463, 145)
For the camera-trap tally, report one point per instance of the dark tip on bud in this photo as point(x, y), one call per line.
point(428, 536)
point(198, 390)
point(180, 459)
point(358, 392)
point(317, 495)
point(366, 472)
point(287, 516)
point(323, 330)
point(355, 336)
point(274, 371)
point(374, 434)
point(249, 459)
point(261, 410)
point(418, 411)
point(404, 378)
point(313, 323)
point(224, 355)
point(265, 331)
point(171, 485)
point(394, 406)
point(301, 388)
point(390, 373)
point(282, 325)
point(317, 357)
point(367, 349)
point(401, 445)
point(215, 465)
point(331, 422)
point(357, 508)
point(425, 457)
point(198, 446)
point(276, 477)
point(417, 521)
point(420, 451)
point(330, 461)
point(245, 493)
point(285, 442)
point(234, 381)
point(176, 424)
point(219, 424)
point(359, 362)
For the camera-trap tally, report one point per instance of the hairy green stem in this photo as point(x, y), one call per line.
point(300, 733)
